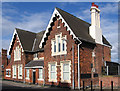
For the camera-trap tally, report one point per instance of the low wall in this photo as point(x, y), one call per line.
point(106, 81)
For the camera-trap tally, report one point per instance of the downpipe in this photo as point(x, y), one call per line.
point(79, 63)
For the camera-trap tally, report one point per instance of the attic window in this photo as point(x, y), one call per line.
point(17, 53)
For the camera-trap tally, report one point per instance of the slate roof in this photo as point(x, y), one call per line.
point(79, 27)
point(34, 63)
point(29, 40)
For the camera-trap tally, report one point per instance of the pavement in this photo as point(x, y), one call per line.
point(15, 86)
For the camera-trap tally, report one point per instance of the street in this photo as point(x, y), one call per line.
point(17, 86)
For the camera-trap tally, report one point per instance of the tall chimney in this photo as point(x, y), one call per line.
point(95, 30)
point(4, 58)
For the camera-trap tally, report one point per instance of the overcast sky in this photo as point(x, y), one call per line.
point(35, 17)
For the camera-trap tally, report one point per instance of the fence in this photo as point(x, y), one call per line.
point(101, 86)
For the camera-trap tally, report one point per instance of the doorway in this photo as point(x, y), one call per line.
point(34, 77)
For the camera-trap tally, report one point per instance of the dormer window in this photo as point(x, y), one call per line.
point(17, 53)
point(59, 45)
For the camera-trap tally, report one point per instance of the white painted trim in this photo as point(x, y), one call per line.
point(51, 20)
point(13, 71)
point(61, 47)
point(61, 63)
point(27, 78)
point(40, 79)
point(10, 73)
point(34, 67)
point(15, 32)
point(49, 68)
point(34, 44)
point(20, 77)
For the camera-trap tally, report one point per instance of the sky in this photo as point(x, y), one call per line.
point(34, 16)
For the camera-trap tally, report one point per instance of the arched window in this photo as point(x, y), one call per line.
point(17, 53)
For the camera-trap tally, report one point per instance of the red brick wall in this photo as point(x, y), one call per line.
point(85, 55)
point(25, 58)
point(47, 51)
point(106, 81)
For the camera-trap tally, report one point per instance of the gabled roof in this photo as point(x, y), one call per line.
point(27, 40)
point(77, 27)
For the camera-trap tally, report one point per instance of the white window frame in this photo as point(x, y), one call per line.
point(61, 45)
point(40, 73)
point(27, 75)
point(62, 63)
point(14, 68)
point(17, 53)
point(9, 72)
point(20, 77)
point(49, 70)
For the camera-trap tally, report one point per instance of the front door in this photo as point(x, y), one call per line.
point(34, 77)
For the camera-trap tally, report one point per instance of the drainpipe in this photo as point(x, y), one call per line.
point(79, 63)
point(73, 65)
point(24, 74)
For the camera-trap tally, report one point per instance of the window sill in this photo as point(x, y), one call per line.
point(8, 75)
point(41, 79)
point(59, 53)
point(66, 81)
point(27, 78)
point(52, 80)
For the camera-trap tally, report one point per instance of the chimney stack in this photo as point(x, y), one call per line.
point(95, 30)
point(4, 58)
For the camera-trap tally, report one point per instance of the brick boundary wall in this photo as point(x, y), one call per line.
point(106, 81)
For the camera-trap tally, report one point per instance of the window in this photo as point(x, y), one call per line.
point(40, 73)
point(27, 73)
point(35, 55)
point(20, 70)
point(63, 45)
point(59, 45)
point(17, 53)
point(65, 71)
point(8, 72)
point(54, 46)
point(52, 71)
point(14, 71)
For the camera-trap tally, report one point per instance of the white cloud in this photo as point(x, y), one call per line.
point(33, 22)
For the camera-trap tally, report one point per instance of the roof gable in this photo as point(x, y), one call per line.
point(77, 27)
point(27, 40)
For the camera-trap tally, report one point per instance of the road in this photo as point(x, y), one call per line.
point(15, 86)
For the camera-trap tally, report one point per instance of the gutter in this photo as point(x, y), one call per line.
point(79, 63)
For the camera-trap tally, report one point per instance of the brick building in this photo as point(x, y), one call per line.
point(69, 51)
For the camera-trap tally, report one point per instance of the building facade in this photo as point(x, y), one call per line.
point(68, 52)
